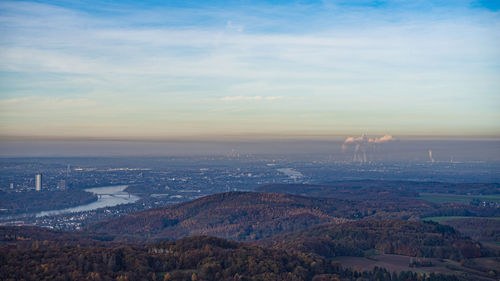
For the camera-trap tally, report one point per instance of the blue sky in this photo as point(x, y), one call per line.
point(163, 69)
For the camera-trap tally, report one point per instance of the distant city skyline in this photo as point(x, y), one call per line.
point(263, 69)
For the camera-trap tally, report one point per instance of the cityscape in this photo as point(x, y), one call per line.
point(157, 182)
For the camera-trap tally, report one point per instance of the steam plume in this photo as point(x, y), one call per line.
point(362, 143)
point(383, 139)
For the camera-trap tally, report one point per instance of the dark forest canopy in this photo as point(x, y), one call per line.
point(417, 239)
point(195, 258)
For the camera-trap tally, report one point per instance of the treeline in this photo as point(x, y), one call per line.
point(367, 188)
point(416, 239)
point(480, 229)
point(359, 190)
point(195, 258)
point(24, 237)
point(34, 201)
point(455, 209)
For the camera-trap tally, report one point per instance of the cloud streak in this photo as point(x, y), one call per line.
point(345, 66)
point(364, 140)
point(250, 98)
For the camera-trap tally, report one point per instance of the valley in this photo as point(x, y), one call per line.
point(181, 224)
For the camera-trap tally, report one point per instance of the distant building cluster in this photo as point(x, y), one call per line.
point(485, 203)
point(62, 185)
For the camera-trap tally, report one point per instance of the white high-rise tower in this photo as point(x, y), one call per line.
point(38, 182)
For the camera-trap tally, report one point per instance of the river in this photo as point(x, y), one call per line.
point(292, 173)
point(109, 196)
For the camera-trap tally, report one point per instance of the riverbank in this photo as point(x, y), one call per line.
point(30, 202)
point(106, 196)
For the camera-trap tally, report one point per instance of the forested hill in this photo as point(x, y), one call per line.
point(255, 215)
point(401, 199)
point(194, 258)
point(234, 215)
point(359, 190)
point(381, 189)
point(417, 239)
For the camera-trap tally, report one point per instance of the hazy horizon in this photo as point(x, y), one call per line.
point(407, 150)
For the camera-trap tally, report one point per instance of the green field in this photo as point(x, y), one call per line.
point(440, 219)
point(453, 198)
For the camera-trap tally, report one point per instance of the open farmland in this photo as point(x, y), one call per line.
point(400, 263)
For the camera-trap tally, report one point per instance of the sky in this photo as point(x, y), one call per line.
point(208, 69)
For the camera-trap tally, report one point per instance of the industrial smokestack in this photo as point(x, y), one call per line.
point(355, 157)
point(364, 155)
point(361, 144)
point(430, 156)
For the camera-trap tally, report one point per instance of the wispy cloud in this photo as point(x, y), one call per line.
point(350, 65)
point(250, 98)
point(47, 103)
